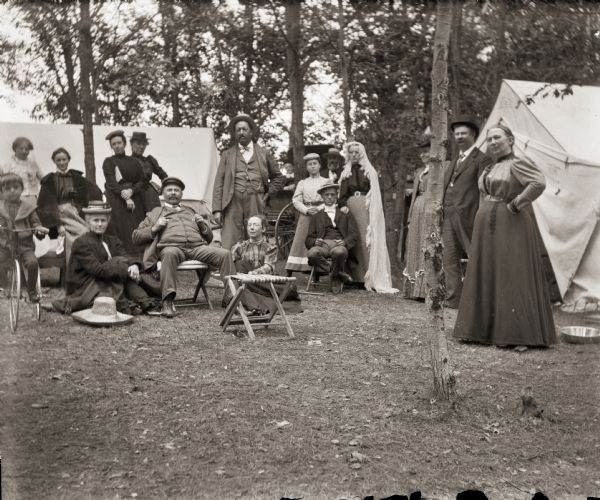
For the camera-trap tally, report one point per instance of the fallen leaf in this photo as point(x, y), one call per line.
point(356, 466)
point(335, 441)
point(355, 456)
point(354, 442)
point(170, 445)
point(283, 423)
point(220, 472)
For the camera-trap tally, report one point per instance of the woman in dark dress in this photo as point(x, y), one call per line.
point(505, 299)
point(257, 255)
point(63, 194)
point(125, 186)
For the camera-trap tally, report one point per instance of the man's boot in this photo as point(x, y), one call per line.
point(168, 309)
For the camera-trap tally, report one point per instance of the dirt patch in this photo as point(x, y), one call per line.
point(178, 409)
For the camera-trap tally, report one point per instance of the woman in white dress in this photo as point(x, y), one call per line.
point(308, 203)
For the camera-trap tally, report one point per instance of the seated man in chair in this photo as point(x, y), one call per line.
point(176, 233)
point(331, 234)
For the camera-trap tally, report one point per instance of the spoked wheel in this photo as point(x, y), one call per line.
point(38, 289)
point(15, 296)
point(285, 228)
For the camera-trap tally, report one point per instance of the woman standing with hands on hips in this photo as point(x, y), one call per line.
point(125, 185)
point(505, 299)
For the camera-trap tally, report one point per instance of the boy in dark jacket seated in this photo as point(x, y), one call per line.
point(331, 234)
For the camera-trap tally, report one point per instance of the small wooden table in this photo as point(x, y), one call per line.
point(242, 280)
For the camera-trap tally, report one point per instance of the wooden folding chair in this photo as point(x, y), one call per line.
point(201, 269)
point(237, 285)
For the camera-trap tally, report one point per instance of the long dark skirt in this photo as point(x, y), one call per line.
point(123, 221)
point(258, 297)
point(505, 298)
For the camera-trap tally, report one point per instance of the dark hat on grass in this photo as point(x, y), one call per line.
point(241, 118)
point(172, 180)
point(139, 137)
point(115, 133)
point(467, 121)
point(96, 207)
point(328, 185)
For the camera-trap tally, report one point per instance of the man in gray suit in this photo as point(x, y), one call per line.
point(246, 173)
point(461, 201)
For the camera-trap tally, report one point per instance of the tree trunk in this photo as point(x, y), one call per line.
point(344, 72)
point(167, 14)
point(86, 63)
point(295, 83)
point(455, 55)
point(443, 378)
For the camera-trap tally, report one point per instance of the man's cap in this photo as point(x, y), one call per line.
point(241, 118)
point(172, 180)
point(139, 137)
point(467, 121)
point(97, 207)
point(333, 152)
point(328, 185)
point(312, 156)
point(115, 133)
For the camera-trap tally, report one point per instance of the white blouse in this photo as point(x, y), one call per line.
point(306, 195)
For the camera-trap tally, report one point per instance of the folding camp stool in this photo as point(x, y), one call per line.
point(201, 269)
point(237, 285)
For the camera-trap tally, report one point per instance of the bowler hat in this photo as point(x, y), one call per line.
point(102, 313)
point(97, 207)
point(467, 121)
point(241, 118)
point(312, 156)
point(115, 133)
point(139, 137)
point(335, 152)
point(328, 185)
point(172, 180)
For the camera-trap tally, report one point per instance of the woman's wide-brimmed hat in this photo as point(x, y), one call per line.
point(139, 137)
point(333, 153)
point(97, 207)
point(103, 313)
point(467, 121)
point(328, 185)
point(241, 118)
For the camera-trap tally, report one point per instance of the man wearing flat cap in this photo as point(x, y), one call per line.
point(335, 164)
point(461, 201)
point(99, 266)
point(246, 173)
point(175, 233)
point(331, 234)
point(139, 141)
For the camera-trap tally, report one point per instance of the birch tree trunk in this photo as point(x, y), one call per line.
point(86, 63)
point(443, 378)
point(344, 72)
point(296, 83)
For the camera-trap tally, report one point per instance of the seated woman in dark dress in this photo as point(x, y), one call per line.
point(257, 256)
point(505, 299)
point(62, 196)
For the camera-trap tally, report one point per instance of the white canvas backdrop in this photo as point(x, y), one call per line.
point(188, 153)
point(557, 134)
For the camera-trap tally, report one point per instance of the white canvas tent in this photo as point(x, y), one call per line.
point(560, 135)
point(188, 153)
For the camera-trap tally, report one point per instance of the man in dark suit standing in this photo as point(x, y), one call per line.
point(332, 233)
point(245, 174)
point(461, 201)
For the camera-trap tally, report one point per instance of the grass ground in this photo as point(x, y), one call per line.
point(178, 409)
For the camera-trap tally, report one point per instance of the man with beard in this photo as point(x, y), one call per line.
point(176, 233)
point(246, 173)
point(461, 200)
